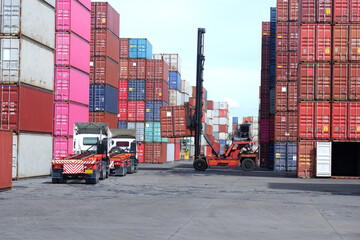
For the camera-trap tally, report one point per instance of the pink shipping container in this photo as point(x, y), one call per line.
point(73, 16)
point(63, 146)
point(71, 50)
point(103, 15)
point(136, 111)
point(86, 3)
point(124, 47)
point(65, 114)
point(71, 85)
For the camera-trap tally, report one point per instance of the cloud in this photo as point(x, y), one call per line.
point(232, 103)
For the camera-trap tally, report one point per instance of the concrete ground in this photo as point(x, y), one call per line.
point(172, 201)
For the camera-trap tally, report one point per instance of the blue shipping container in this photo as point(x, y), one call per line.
point(280, 157)
point(271, 155)
point(273, 20)
point(272, 74)
point(103, 98)
point(222, 143)
point(152, 111)
point(140, 48)
point(175, 80)
point(272, 101)
point(122, 125)
point(235, 120)
point(291, 150)
point(136, 90)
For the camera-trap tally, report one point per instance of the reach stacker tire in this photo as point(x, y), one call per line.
point(200, 165)
point(248, 164)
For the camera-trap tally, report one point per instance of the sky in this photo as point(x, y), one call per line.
point(232, 42)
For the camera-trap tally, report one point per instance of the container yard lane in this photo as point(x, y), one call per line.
point(172, 201)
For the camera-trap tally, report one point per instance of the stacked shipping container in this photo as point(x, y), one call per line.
point(26, 90)
point(71, 79)
point(104, 64)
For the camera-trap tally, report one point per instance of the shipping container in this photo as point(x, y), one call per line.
point(26, 109)
point(175, 81)
point(286, 96)
point(104, 16)
point(123, 110)
point(34, 155)
point(340, 81)
point(282, 67)
point(12, 50)
point(354, 81)
point(123, 89)
point(124, 48)
point(170, 152)
point(341, 43)
point(341, 11)
point(6, 145)
point(18, 17)
point(306, 155)
point(157, 70)
point(265, 130)
point(155, 153)
point(157, 90)
point(136, 90)
point(71, 50)
point(307, 12)
point(264, 155)
point(72, 16)
point(104, 70)
point(174, 121)
point(124, 68)
point(152, 132)
point(140, 130)
point(63, 146)
point(291, 156)
point(324, 11)
point(104, 117)
point(173, 60)
point(152, 110)
point(286, 126)
point(271, 153)
point(282, 36)
point(140, 152)
point(282, 10)
point(122, 125)
point(105, 44)
point(140, 48)
point(136, 111)
point(174, 97)
point(177, 152)
point(103, 98)
point(65, 115)
point(354, 41)
point(272, 101)
point(137, 69)
point(345, 121)
point(71, 85)
point(280, 156)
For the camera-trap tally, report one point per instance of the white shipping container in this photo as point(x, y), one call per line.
point(51, 2)
point(223, 106)
point(186, 98)
point(182, 98)
point(211, 121)
point(216, 105)
point(224, 121)
point(36, 67)
point(223, 136)
point(216, 120)
point(174, 97)
point(140, 130)
point(14, 156)
point(206, 120)
point(33, 155)
point(209, 113)
point(170, 152)
point(215, 128)
point(37, 20)
point(216, 113)
point(173, 60)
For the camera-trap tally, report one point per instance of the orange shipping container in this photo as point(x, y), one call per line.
point(155, 153)
point(306, 167)
point(124, 69)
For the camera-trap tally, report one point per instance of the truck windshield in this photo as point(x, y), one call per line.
point(90, 141)
point(122, 144)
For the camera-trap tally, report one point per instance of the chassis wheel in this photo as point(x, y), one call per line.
point(200, 164)
point(103, 170)
point(248, 164)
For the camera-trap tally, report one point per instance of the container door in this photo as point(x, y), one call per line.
point(15, 156)
point(323, 159)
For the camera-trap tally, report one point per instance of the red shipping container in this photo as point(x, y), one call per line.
point(105, 44)
point(354, 81)
point(340, 81)
point(222, 113)
point(323, 43)
point(282, 68)
point(26, 109)
point(122, 111)
point(124, 48)
point(103, 15)
point(155, 153)
point(265, 130)
point(282, 36)
point(354, 37)
point(6, 150)
point(177, 152)
point(293, 10)
point(137, 69)
point(265, 81)
point(209, 130)
point(293, 36)
point(124, 68)
point(140, 152)
point(210, 105)
point(265, 106)
point(192, 101)
point(339, 121)
point(286, 97)
point(307, 11)
point(282, 10)
point(104, 70)
point(104, 117)
point(354, 120)
point(174, 121)
point(264, 155)
point(306, 167)
point(315, 81)
point(314, 120)
point(315, 42)
point(341, 43)
point(123, 89)
point(293, 66)
point(286, 126)
point(323, 82)
point(341, 11)
point(324, 11)
point(223, 128)
point(136, 111)
point(354, 11)
point(157, 70)
point(307, 42)
point(157, 90)
point(307, 81)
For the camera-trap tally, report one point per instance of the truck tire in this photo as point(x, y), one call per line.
point(200, 165)
point(103, 170)
point(116, 150)
point(248, 164)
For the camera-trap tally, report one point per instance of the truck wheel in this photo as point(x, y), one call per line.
point(248, 164)
point(107, 173)
point(200, 164)
point(55, 180)
point(103, 170)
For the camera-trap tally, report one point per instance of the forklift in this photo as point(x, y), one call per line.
point(238, 152)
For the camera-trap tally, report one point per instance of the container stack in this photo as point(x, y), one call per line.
point(264, 114)
point(286, 85)
point(71, 83)
point(27, 43)
point(235, 122)
point(221, 123)
point(104, 64)
point(254, 121)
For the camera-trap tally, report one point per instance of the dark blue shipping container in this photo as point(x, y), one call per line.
point(175, 80)
point(271, 155)
point(136, 90)
point(122, 125)
point(280, 156)
point(272, 49)
point(291, 151)
point(222, 143)
point(272, 101)
point(272, 74)
point(103, 99)
point(140, 48)
point(152, 110)
point(273, 20)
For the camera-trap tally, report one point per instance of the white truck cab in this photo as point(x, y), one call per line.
point(89, 137)
point(122, 140)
